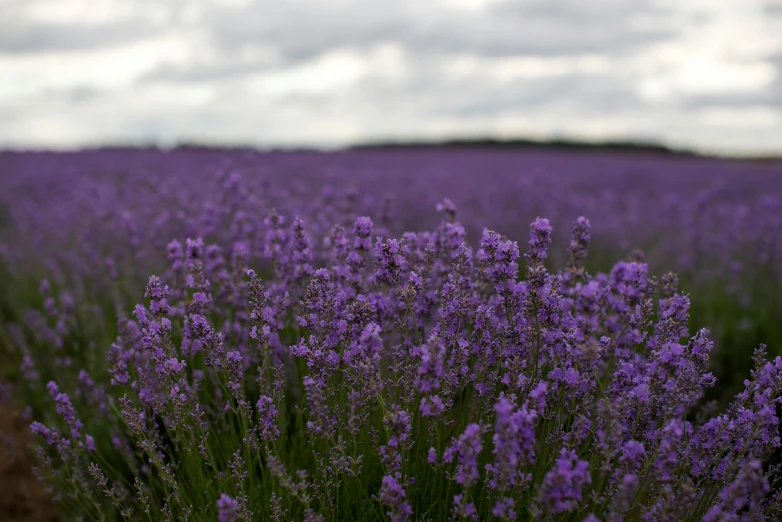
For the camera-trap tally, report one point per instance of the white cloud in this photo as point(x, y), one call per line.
point(703, 73)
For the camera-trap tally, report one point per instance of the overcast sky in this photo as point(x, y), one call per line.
point(693, 73)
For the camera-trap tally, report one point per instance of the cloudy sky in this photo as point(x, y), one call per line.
point(694, 73)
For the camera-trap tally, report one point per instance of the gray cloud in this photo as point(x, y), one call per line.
point(769, 98)
point(24, 36)
point(225, 68)
point(221, 54)
point(773, 8)
point(583, 93)
point(301, 29)
point(74, 96)
point(288, 33)
point(426, 92)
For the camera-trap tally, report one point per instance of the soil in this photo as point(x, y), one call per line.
point(22, 496)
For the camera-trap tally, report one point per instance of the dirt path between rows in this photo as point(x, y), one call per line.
point(22, 497)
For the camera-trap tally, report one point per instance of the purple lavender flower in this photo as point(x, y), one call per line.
point(578, 243)
point(302, 251)
point(363, 358)
point(394, 497)
point(431, 369)
point(743, 498)
point(464, 509)
point(539, 240)
point(156, 293)
point(65, 409)
point(500, 258)
point(389, 261)
point(563, 487)
point(504, 509)
point(276, 238)
point(363, 229)
point(466, 450)
point(514, 443)
point(399, 426)
point(267, 419)
point(227, 509)
point(633, 454)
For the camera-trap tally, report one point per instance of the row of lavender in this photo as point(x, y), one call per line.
point(292, 369)
point(701, 217)
point(98, 222)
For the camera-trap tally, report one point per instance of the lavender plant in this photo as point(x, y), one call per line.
point(396, 378)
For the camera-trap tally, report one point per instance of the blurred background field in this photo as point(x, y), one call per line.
point(96, 224)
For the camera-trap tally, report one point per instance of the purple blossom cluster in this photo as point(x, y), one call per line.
point(419, 378)
point(308, 350)
point(700, 217)
point(99, 222)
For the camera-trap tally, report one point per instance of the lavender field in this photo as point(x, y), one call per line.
point(427, 334)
